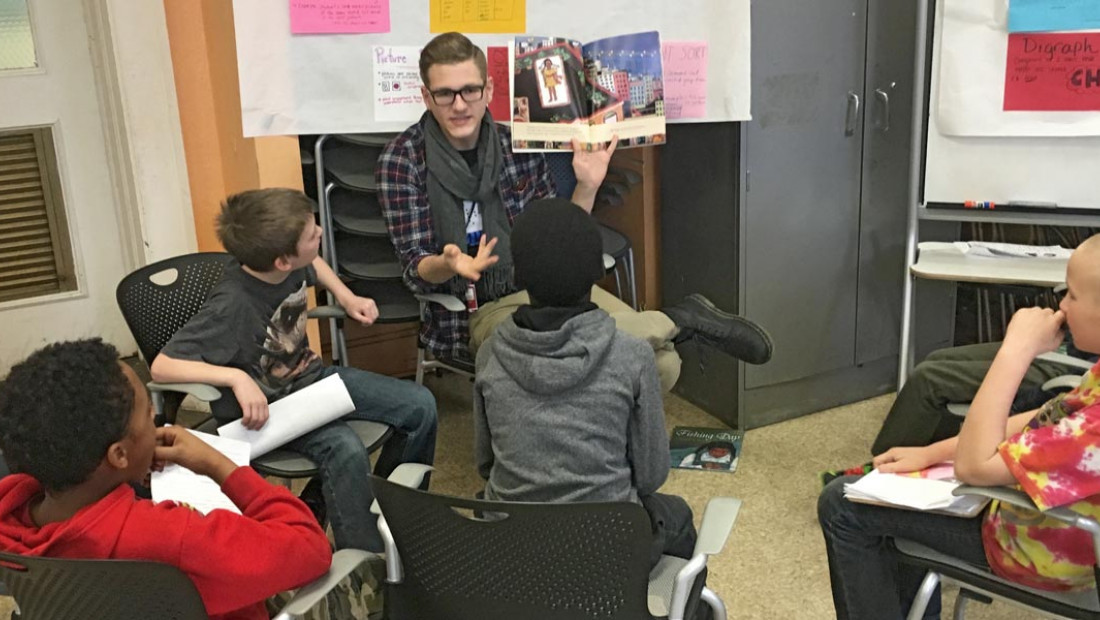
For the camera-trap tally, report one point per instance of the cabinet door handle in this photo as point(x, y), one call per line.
point(852, 115)
point(884, 119)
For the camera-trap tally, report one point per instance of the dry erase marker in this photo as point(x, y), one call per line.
point(979, 204)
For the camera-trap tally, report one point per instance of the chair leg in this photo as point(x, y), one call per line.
point(618, 282)
point(420, 366)
point(717, 607)
point(960, 607)
point(630, 278)
point(341, 339)
point(924, 595)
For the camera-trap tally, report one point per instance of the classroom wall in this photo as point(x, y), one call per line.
point(220, 161)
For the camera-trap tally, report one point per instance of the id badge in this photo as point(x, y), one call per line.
point(471, 298)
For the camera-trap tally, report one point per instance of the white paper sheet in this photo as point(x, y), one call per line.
point(201, 493)
point(397, 84)
point(295, 415)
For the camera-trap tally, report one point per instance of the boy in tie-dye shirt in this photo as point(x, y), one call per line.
point(1051, 453)
point(1056, 461)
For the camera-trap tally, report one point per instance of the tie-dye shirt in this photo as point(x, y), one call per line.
point(1056, 460)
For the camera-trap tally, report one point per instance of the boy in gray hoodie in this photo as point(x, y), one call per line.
point(566, 407)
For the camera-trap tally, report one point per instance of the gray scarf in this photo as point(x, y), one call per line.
point(450, 181)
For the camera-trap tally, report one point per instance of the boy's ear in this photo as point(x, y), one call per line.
point(117, 457)
point(283, 264)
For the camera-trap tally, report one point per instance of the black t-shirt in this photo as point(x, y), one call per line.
point(257, 327)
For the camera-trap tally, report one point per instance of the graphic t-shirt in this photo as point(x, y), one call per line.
point(257, 327)
point(1056, 461)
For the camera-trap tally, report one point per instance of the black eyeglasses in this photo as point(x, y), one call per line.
point(470, 94)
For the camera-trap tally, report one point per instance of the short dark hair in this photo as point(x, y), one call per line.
point(61, 408)
point(451, 48)
point(260, 225)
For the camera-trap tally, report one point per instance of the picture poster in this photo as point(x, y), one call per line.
point(1053, 72)
point(685, 73)
point(1052, 15)
point(500, 107)
point(339, 16)
point(397, 83)
point(466, 16)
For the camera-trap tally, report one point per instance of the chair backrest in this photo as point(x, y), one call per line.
point(561, 170)
point(156, 309)
point(56, 589)
point(533, 561)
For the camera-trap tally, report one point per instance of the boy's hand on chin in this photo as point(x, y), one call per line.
point(1034, 331)
point(177, 445)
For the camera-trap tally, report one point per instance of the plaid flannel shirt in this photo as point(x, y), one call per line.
point(402, 176)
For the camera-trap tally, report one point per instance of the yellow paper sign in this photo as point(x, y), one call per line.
point(479, 16)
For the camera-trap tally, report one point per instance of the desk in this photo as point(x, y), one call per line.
point(945, 261)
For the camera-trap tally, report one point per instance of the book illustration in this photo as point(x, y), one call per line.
point(716, 449)
point(563, 89)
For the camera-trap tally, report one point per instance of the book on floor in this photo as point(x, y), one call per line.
point(927, 490)
point(713, 449)
point(563, 89)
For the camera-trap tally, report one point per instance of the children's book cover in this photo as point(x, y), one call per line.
point(563, 89)
point(696, 447)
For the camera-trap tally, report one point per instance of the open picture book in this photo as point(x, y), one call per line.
point(563, 89)
point(713, 449)
point(927, 490)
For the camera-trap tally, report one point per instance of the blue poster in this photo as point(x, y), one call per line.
point(1053, 15)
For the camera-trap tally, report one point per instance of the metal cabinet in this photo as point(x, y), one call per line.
point(818, 190)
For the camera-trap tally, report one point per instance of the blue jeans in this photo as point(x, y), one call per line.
point(343, 460)
point(867, 580)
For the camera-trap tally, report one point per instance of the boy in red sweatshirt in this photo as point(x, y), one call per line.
point(76, 426)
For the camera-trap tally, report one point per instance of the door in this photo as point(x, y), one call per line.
point(891, 32)
point(804, 150)
point(61, 94)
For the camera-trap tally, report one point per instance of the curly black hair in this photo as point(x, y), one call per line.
point(61, 408)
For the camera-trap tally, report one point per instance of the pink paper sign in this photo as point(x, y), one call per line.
point(684, 64)
point(339, 16)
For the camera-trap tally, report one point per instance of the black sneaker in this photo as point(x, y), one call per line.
point(697, 317)
point(313, 497)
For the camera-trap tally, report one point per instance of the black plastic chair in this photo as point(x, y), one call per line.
point(159, 299)
point(978, 583)
point(61, 589)
point(536, 561)
point(52, 588)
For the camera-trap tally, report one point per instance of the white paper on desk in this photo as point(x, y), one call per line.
point(919, 493)
point(991, 249)
point(180, 484)
point(295, 415)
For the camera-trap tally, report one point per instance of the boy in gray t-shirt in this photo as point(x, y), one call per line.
point(249, 339)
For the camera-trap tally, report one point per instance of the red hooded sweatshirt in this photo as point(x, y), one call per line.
point(234, 561)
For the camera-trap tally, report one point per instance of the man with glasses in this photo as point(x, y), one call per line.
point(450, 187)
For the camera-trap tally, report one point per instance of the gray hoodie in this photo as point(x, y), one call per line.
point(569, 415)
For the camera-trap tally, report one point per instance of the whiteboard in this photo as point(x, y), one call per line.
point(312, 84)
point(1042, 165)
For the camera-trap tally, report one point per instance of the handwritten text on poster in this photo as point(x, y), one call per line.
point(1053, 72)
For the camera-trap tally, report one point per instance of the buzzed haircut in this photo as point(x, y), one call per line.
point(451, 48)
point(260, 225)
point(61, 408)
